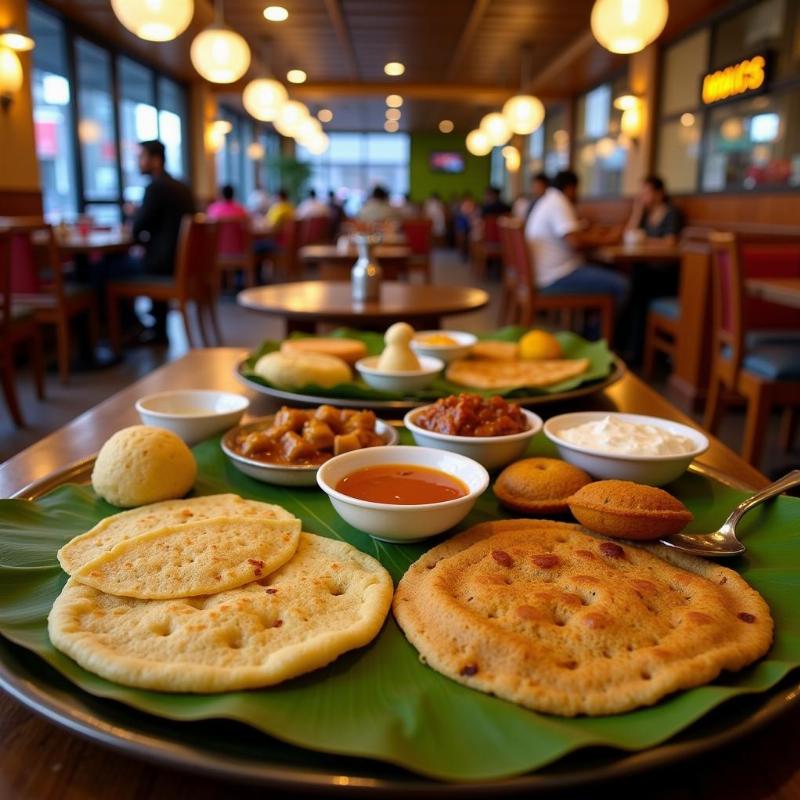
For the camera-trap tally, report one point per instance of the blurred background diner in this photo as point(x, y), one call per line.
point(645, 190)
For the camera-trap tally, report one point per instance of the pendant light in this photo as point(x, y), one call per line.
point(307, 130)
point(628, 26)
point(154, 20)
point(218, 53)
point(524, 113)
point(319, 144)
point(264, 97)
point(496, 128)
point(292, 114)
point(478, 143)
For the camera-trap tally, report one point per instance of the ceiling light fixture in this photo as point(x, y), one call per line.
point(446, 126)
point(292, 114)
point(218, 53)
point(394, 100)
point(478, 143)
point(16, 40)
point(394, 69)
point(391, 126)
point(10, 76)
point(318, 145)
point(393, 114)
point(255, 151)
point(324, 115)
point(524, 113)
point(155, 20)
point(276, 14)
point(263, 98)
point(224, 126)
point(296, 76)
point(628, 26)
point(625, 101)
point(496, 128)
point(687, 120)
point(512, 158)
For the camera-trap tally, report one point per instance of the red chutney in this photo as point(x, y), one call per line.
point(401, 484)
point(472, 415)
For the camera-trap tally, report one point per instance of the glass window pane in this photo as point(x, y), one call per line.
point(138, 122)
point(678, 149)
point(685, 64)
point(596, 111)
point(104, 213)
point(556, 140)
point(753, 144)
point(52, 104)
point(346, 148)
point(387, 148)
point(172, 117)
point(96, 125)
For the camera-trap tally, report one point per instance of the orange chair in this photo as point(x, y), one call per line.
point(522, 301)
point(17, 324)
point(419, 237)
point(37, 283)
point(765, 372)
point(235, 251)
point(196, 280)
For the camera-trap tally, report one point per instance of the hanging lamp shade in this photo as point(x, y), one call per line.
point(290, 117)
point(523, 113)
point(319, 144)
point(512, 157)
point(496, 128)
point(154, 20)
point(10, 72)
point(255, 151)
point(478, 143)
point(219, 54)
point(307, 130)
point(263, 98)
point(628, 26)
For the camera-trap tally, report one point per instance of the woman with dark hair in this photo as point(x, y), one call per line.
point(653, 212)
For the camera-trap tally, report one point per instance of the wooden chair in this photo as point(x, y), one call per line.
point(235, 251)
point(661, 334)
point(17, 324)
point(419, 237)
point(313, 230)
point(37, 283)
point(766, 375)
point(196, 280)
point(522, 301)
point(486, 246)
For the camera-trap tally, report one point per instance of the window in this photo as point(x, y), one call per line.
point(357, 162)
point(556, 140)
point(52, 110)
point(601, 153)
point(172, 115)
point(138, 122)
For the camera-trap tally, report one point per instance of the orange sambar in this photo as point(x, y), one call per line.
point(401, 484)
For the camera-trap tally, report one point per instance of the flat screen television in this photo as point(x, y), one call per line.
point(449, 162)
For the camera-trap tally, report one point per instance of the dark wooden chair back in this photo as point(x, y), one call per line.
point(419, 235)
point(517, 261)
point(234, 237)
point(491, 229)
point(314, 230)
point(196, 259)
point(36, 263)
point(5, 288)
point(727, 287)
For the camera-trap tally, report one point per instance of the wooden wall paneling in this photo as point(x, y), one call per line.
point(20, 203)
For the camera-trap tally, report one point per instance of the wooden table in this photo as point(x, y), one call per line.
point(95, 242)
point(307, 304)
point(335, 264)
point(642, 253)
point(783, 291)
point(39, 760)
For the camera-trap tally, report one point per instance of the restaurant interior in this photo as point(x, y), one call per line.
point(541, 258)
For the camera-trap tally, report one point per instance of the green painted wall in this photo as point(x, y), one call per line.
point(422, 181)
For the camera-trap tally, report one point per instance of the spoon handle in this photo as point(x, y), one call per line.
point(788, 481)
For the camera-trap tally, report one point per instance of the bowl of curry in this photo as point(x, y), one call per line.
point(489, 430)
point(289, 447)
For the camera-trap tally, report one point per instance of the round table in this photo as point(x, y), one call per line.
point(307, 304)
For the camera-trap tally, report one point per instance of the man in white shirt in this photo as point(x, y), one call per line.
point(554, 236)
point(312, 206)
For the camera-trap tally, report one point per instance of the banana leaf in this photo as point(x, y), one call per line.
point(381, 702)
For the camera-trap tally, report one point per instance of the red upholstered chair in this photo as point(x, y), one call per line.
point(419, 238)
point(521, 300)
point(17, 324)
point(314, 230)
point(196, 280)
point(766, 372)
point(235, 249)
point(38, 284)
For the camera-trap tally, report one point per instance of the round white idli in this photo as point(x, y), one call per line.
point(302, 369)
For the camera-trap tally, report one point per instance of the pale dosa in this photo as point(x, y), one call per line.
point(492, 374)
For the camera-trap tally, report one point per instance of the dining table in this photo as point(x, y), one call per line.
point(307, 306)
point(335, 262)
point(95, 242)
point(70, 760)
point(782, 291)
point(625, 254)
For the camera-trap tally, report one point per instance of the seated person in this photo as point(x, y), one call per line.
point(556, 240)
point(653, 212)
point(493, 204)
point(524, 204)
point(280, 211)
point(312, 206)
point(226, 207)
point(377, 208)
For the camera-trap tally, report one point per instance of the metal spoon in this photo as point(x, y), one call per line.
point(723, 542)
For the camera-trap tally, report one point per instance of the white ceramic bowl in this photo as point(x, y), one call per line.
point(284, 474)
point(193, 414)
point(652, 470)
point(399, 382)
point(446, 352)
point(491, 451)
point(400, 523)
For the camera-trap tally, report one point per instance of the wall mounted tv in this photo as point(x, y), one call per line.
point(451, 163)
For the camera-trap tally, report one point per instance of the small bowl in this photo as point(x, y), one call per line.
point(193, 414)
point(399, 382)
point(651, 470)
point(491, 451)
point(446, 352)
point(285, 474)
point(401, 523)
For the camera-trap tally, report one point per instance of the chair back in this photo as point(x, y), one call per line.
point(5, 287)
point(314, 230)
point(196, 259)
point(36, 264)
point(517, 260)
point(727, 284)
point(491, 229)
point(234, 237)
point(419, 235)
